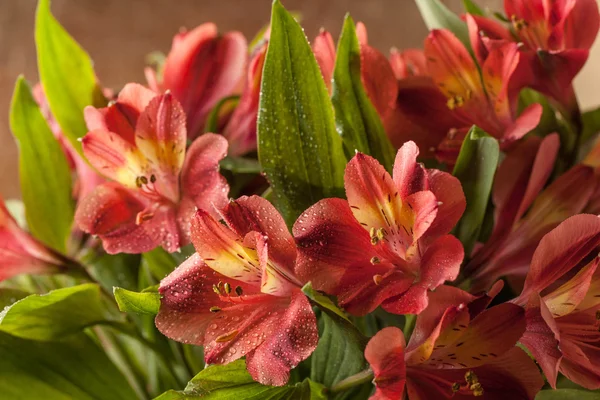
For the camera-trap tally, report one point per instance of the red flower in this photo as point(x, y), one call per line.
point(558, 35)
point(201, 68)
point(525, 211)
point(20, 253)
point(562, 300)
point(456, 352)
point(238, 295)
point(388, 243)
point(488, 98)
point(139, 143)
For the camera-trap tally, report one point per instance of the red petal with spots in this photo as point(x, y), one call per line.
point(110, 212)
point(409, 176)
point(121, 116)
point(568, 297)
point(256, 214)
point(559, 251)
point(330, 241)
point(513, 375)
point(372, 194)
point(441, 262)
point(292, 341)
point(161, 138)
point(324, 49)
point(240, 130)
point(451, 203)
point(200, 178)
point(201, 68)
point(385, 354)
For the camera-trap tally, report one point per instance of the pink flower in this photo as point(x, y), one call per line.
point(139, 143)
point(201, 68)
point(456, 351)
point(20, 253)
point(562, 298)
point(238, 296)
point(388, 244)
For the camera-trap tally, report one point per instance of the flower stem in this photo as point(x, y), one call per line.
point(352, 381)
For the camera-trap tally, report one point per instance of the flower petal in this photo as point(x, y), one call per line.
point(566, 298)
point(409, 176)
point(110, 212)
point(324, 49)
point(200, 178)
point(451, 203)
point(114, 157)
point(559, 251)
point(441, 262)
point(292, 341)
point(330, 241)
point(408, 62)
point(161, 138)
point(378, 79)
point(223, 250)
point(385, 354)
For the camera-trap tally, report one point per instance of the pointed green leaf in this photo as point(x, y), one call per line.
point(66, 73)
point(53, 316)
point(475, 168)
point(44, 172)
point(356, 118)
point(298, 146)
point(324, 302)
point(159, 262)
point(139, 303)
point(73, 369)
point(232, 381)
point(591, 124)
point(472, 8)
point(437, 16)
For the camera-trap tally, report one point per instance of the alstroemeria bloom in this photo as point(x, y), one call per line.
point(455, 352)
point(139, 142)
point(238, 296)
point(562, 299)
point(558, 35)
point(240, 128)
point(87, 178)
point(525, 211)
point(485, 96)
point(201, 68)
point(20, 253)
point(388, 244)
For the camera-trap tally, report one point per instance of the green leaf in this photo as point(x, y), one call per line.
point(139, 303)
point(160, 262)
point(240, 165)
point(356, 118)
point(223, 106)
point(9, 296)
point(472, 8)
point(44, 171)
point(591, 124)
point(53, 316)
point(73, 369)
point(437, 16)
point(475, 168)
point(66, 74)
point(568, 394)
point(324, 302)
point(233, 381)
point(112, 270)
point(298, 146)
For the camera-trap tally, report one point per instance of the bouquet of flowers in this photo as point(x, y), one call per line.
point(285, 219)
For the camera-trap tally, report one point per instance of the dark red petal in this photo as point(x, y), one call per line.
point(385, 354)
point(292, 341)
point(379, 79)
point(560, 250)
point(409, 176)
point(330, 242)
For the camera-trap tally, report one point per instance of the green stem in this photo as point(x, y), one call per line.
point(352, 381)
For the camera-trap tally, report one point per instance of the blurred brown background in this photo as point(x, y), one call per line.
point(118, 34)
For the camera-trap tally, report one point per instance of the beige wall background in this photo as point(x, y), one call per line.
point(118, 34)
